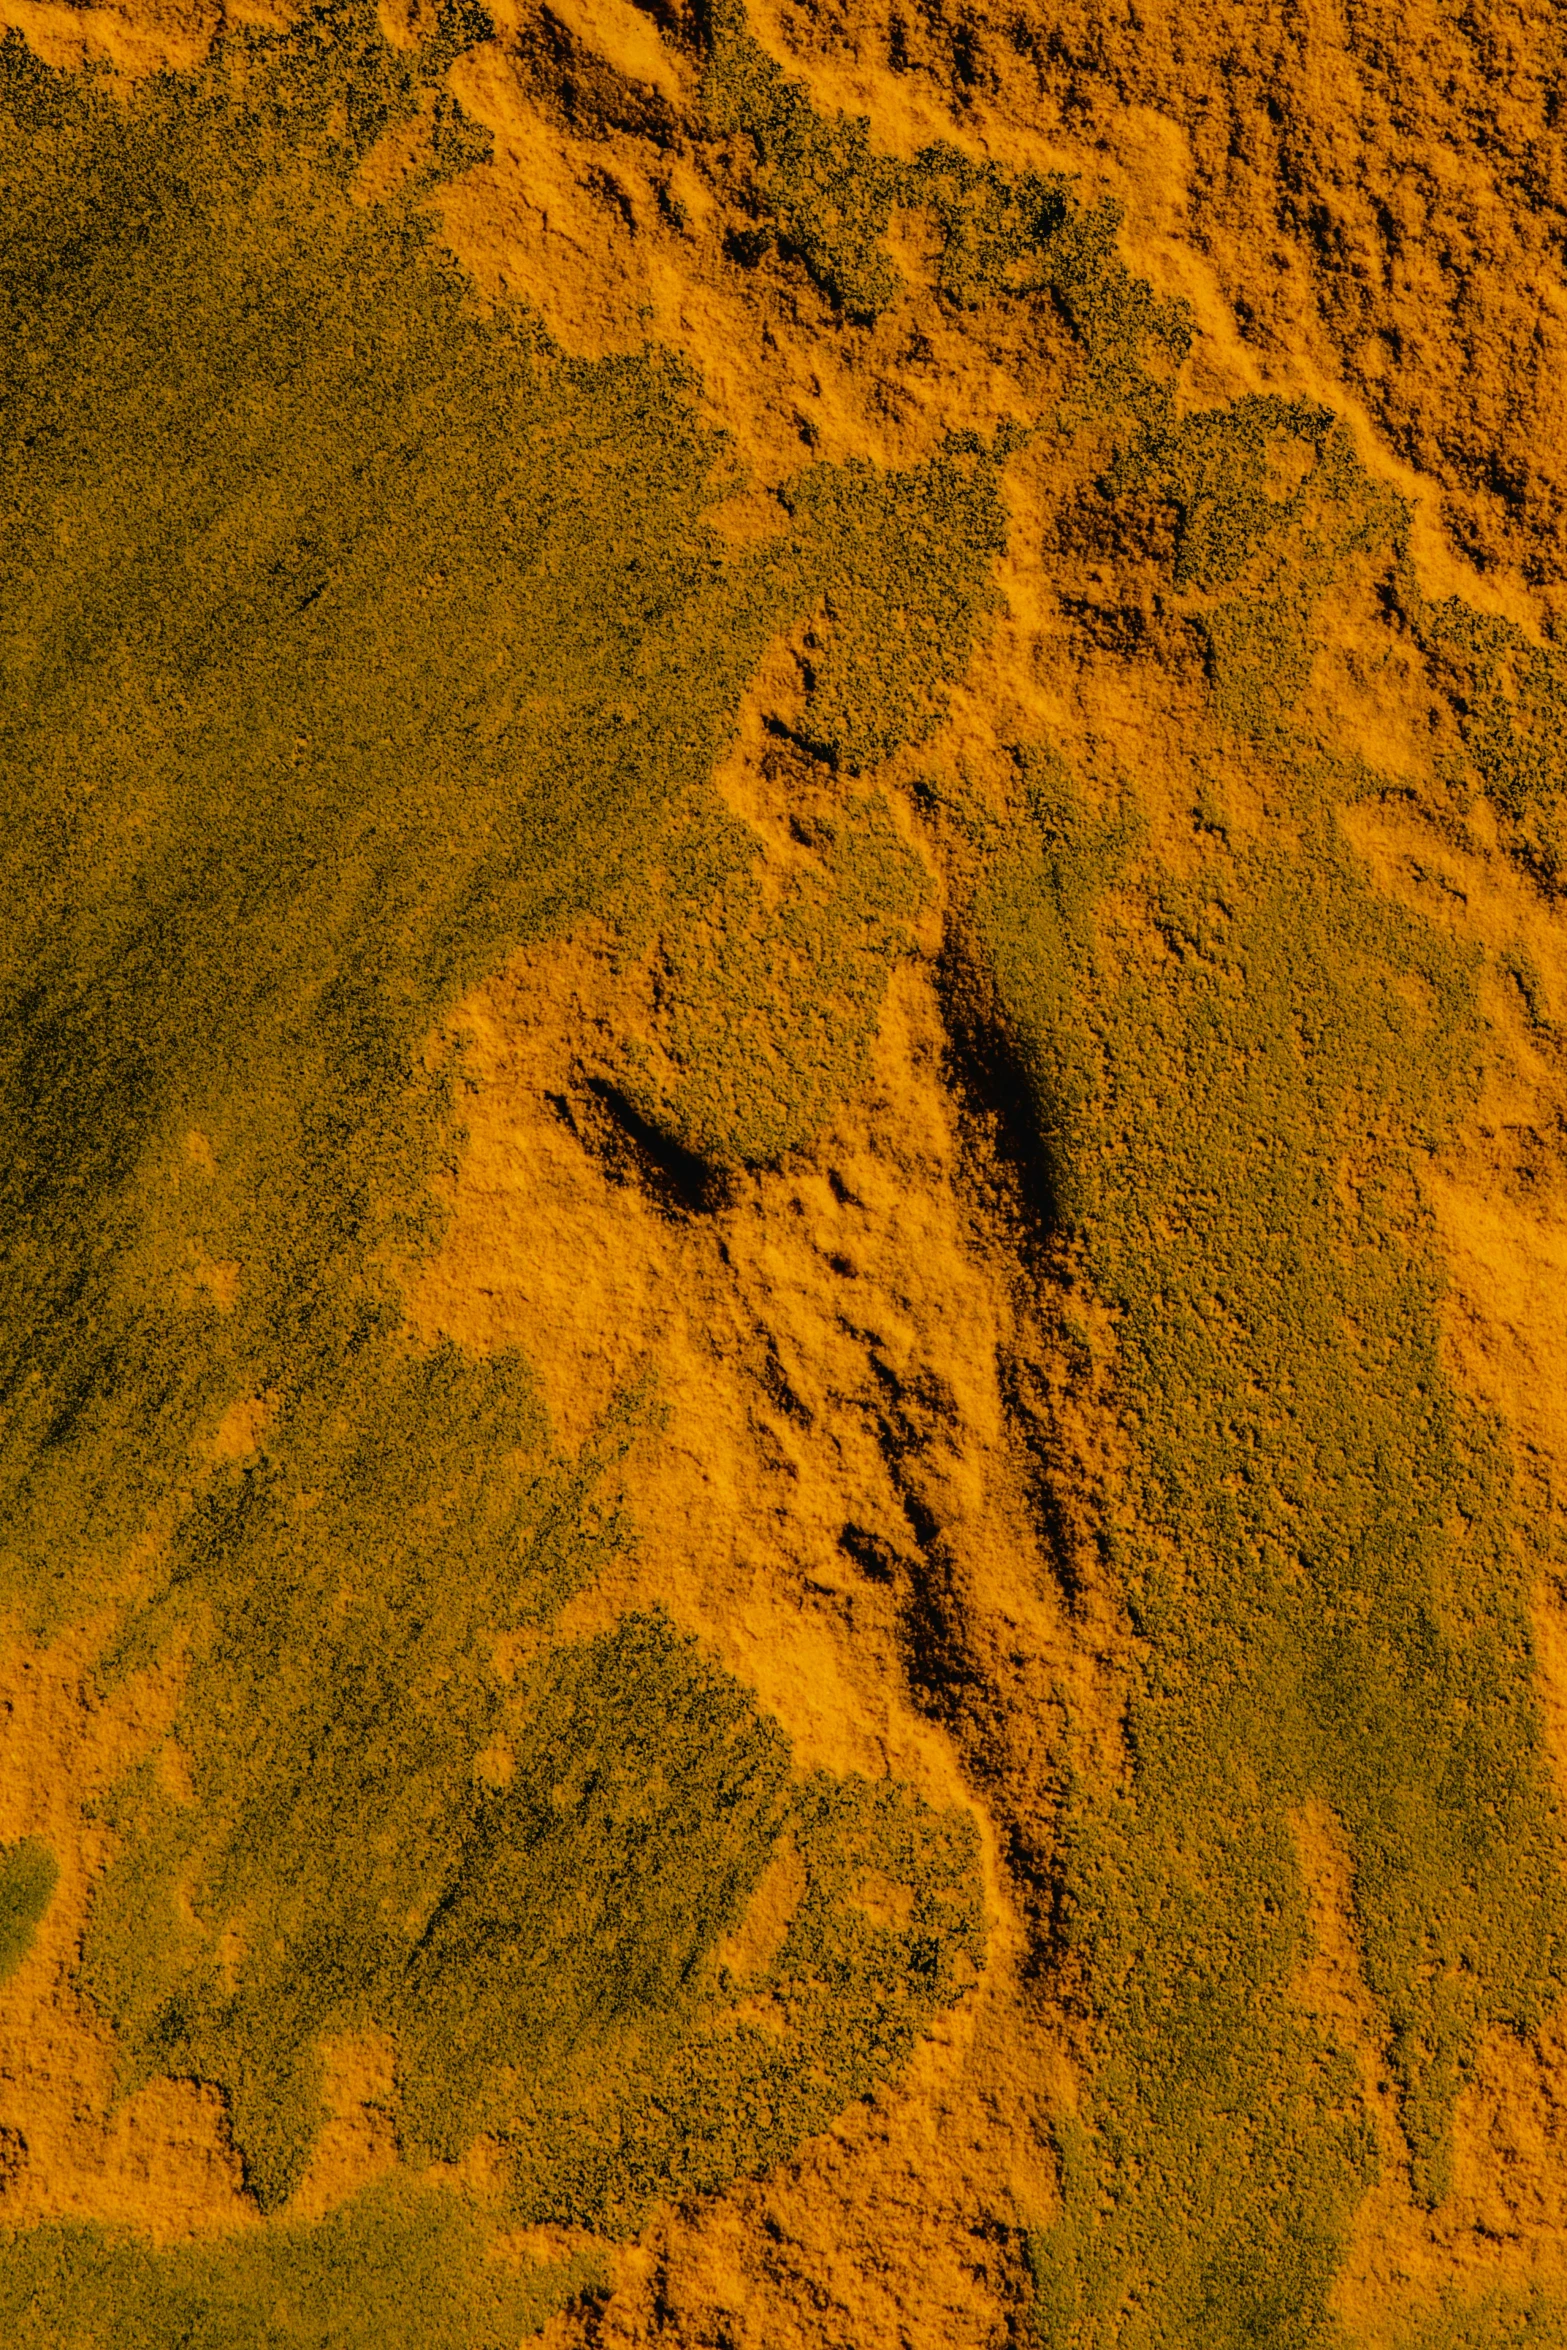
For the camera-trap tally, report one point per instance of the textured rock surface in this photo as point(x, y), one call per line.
point(785, 1318)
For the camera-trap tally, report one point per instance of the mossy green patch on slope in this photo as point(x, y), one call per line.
point(350, 639)
point(768, 1001)
point(903, 560)
point(1269, 501)
point(1510, 698)
point(1237, 1073)
point(1316, 1541)
point(524, 1881)
point(768, 1011)
point(338, 1599)
point(768, 2061)
point(820, 185)
point(825, 194)
point(402, 2268)
point(28, 1876)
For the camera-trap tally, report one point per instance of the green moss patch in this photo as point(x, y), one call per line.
point(824, 195)
point(1236, 1076)
point(28, 1876)
point(351, 638)
point(768, 1011)
point(1316, 1540)
point(1509, 696)
point(402, 2267)
point(1493, 2321)
point(903, 563)
point(524, 1883)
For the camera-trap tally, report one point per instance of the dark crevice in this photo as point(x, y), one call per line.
point(873, 1555)
point(780, 1393)
point(1008, 1158)
point(1017, 1186)
point(585, 90)
point(942, 1670)
point(1026, 1416)
point(631, 1151)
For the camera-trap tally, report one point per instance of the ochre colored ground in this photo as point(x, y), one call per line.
point(1365, 207)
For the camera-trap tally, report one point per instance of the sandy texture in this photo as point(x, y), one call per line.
point(835, 1487)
